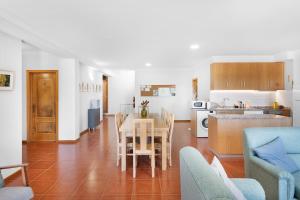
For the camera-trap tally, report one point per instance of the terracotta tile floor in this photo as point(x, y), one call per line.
point(87, 169)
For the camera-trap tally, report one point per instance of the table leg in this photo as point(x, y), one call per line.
point(164, 151)
point(123, 150)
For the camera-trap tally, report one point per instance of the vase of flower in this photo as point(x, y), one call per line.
point(144, 111)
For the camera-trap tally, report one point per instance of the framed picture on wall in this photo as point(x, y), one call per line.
point(6, 80)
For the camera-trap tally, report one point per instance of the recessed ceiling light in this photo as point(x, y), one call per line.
point(194, 46)
point(148, 64)
point(101, 63)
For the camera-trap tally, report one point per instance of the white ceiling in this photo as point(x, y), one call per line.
point(129, 33)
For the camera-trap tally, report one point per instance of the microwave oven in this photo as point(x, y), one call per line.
point(199, 104)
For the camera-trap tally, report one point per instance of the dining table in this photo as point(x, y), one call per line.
point(160, 131)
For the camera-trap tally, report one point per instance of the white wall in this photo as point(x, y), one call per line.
point(296, 108)
point(11, 104)
point(296, 89)
point(288, 74)
point(68, 118)
point(92, 76)
point(180, 105)
point(243, 58)
point(121, 89)
point(292, 94)
point(202, 72)
point(296, 70)
point(68, 100)
point(285, 97)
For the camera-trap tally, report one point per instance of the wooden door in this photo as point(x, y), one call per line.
point(105, 94)
point(42, 105)
point(195, 88)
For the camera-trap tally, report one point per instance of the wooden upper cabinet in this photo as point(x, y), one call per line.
point(271, 76)
point(247, 76)
point(219, 75)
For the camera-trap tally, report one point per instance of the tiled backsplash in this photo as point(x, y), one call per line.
point(285, 97)
point(252, 97)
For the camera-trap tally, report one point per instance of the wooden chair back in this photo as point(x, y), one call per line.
point(163, 113)
point(171, 120)
point(118, 122)
point(142, 129)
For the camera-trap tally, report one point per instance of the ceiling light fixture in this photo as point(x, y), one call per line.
point(148, 64)
point(194, 46)
point(101, 63)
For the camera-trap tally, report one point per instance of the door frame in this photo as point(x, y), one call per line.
point(195, 88)
point(105, 79)
point(28, 100)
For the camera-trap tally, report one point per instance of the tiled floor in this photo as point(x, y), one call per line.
point(87, 169)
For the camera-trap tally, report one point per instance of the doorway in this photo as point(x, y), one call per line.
point(105, 94)
point(42, 105)
point(195, 88)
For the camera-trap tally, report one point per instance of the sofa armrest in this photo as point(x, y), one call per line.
point(197, 180)
point(272, 179)
point(13, 166)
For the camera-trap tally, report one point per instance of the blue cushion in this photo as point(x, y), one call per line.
point(295, 157)
point(275, 153)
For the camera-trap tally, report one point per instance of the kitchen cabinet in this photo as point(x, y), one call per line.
point(271, 76)
point(225, 132)
point(247, 76)
point(220, 76)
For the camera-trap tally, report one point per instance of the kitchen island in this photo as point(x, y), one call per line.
point(225, 132)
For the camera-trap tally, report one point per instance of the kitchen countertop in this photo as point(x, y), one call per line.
point(251, 108)
point(237, 109)
point(242, 116)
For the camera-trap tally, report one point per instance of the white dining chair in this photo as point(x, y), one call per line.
point(169, 119)
point(163, 113)
point(142, 130)
point(170, 137)
point(119, 119)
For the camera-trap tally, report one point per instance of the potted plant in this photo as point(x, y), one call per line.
point(144, 111)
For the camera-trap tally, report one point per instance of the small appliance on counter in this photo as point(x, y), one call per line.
point(199, 104)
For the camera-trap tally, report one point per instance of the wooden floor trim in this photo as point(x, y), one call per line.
point(108, 114)
point(182, 121)
point(84, 132)
point(62, 141)
point(68, 141)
